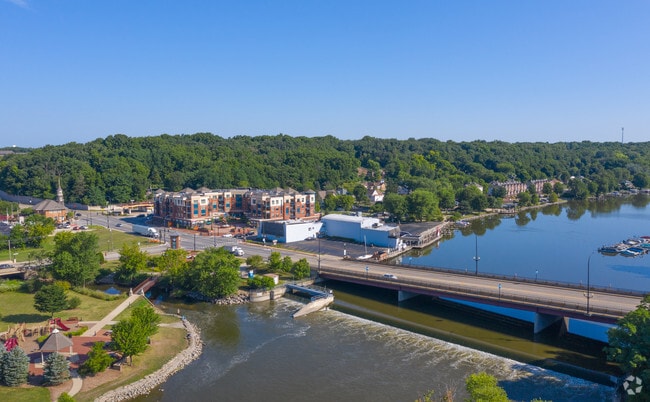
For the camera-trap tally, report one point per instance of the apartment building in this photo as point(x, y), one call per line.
point(197, 208)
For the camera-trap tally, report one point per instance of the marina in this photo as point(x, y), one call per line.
point(632, 247)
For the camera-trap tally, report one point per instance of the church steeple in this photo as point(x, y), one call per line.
point(59, 193)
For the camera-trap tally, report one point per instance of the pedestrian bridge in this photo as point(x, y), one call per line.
point(550, 301)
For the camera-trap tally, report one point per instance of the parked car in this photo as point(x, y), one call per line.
point(6, 266)
point(390, 276)
point(119, 225)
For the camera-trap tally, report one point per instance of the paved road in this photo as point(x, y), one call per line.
point(506, 290)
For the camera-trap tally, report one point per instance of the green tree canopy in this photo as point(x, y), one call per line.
point(56, 369)
point(132, 261)
point(98, 360)
point(214, 273)
point(15, 367)
point(51, 299)
point(301, 269)
point(629, 343)
point(75, 257)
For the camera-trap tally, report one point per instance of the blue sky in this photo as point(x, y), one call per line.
point(517, 71)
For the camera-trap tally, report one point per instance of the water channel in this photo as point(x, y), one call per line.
point(368, 347)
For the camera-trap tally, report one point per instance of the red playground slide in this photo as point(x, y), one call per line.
point(10, 344)
point(58, 322)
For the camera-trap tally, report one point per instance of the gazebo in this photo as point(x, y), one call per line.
point(55, 342)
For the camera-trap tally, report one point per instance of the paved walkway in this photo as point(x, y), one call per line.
point(92, 331)
point(77, 382)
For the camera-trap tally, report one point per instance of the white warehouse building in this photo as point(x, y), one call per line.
point(369, 231)
point(288, 231)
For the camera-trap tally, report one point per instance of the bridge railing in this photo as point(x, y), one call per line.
point(524, 279)
point(424, 286)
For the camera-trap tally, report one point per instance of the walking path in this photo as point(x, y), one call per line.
point(77, 382)
point(92, 331)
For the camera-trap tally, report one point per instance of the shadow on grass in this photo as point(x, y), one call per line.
point(26, 318)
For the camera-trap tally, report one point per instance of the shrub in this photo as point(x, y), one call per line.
point(63, 284)
point(97, 294)
point(98, 360)
point(65, 397)
point(10, 285)
point(73, 302)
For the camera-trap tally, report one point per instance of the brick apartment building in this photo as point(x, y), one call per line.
point(197, 208)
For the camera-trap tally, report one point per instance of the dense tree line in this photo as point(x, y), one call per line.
point(120, 168)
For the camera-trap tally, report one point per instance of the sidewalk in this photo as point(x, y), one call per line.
point(92, 331)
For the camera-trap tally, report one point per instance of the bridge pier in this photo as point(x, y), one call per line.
point(543, 321)
point(404, 295)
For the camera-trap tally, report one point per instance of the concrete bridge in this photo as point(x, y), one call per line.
point(551, 302)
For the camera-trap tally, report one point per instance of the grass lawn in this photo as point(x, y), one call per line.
point(107, 240)
point(18, 307)
point(164, 346)
point(20, 394)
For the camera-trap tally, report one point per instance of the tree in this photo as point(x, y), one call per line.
point(261, 282)
point(301, 269)
point(423, 205)
point(345, 202)
point(147, 318)
point(629, 344)
point(129, 338)
point(56, 369)
point(275, 261)
point(395, 204)
point(214, 273)
point(286, 264)
point(132, 261)
point(255, 261)
point(360, 193)
point(15, 367)
point(98, 360)
point(172, 262)
point(484, 387)
point(75, 258)
point(51, 299)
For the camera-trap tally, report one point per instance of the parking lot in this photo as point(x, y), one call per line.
point(334, 247)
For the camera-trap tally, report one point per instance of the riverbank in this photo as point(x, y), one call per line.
point(145, 385)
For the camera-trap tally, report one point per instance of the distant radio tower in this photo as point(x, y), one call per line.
point(622, 133)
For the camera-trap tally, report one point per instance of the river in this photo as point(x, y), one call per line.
point(367, 347)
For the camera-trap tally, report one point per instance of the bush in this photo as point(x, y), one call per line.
point(98, 360)
point(65, 397)
point(63, 284)
point(32, 285)
point(10, 285)
point(73, 303)
point(97, 294)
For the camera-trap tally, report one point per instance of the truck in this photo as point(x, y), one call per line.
point(145, 230)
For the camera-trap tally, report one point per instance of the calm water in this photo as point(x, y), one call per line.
point(555, 241)
point(370, 348)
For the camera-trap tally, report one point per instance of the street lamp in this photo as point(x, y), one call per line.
point(536, 273)
point(588, 295)
point(318, 253)
point(499, 292)
point(476, 257)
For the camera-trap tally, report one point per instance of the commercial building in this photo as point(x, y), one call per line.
point(361, 229)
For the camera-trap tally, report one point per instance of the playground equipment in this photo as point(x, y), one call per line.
point(58, 323)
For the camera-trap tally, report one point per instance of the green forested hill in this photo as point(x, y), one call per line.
point(120, 168)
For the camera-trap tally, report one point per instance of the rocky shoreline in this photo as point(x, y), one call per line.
point(145, 385)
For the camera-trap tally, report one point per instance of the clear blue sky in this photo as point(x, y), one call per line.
point(546, 70)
